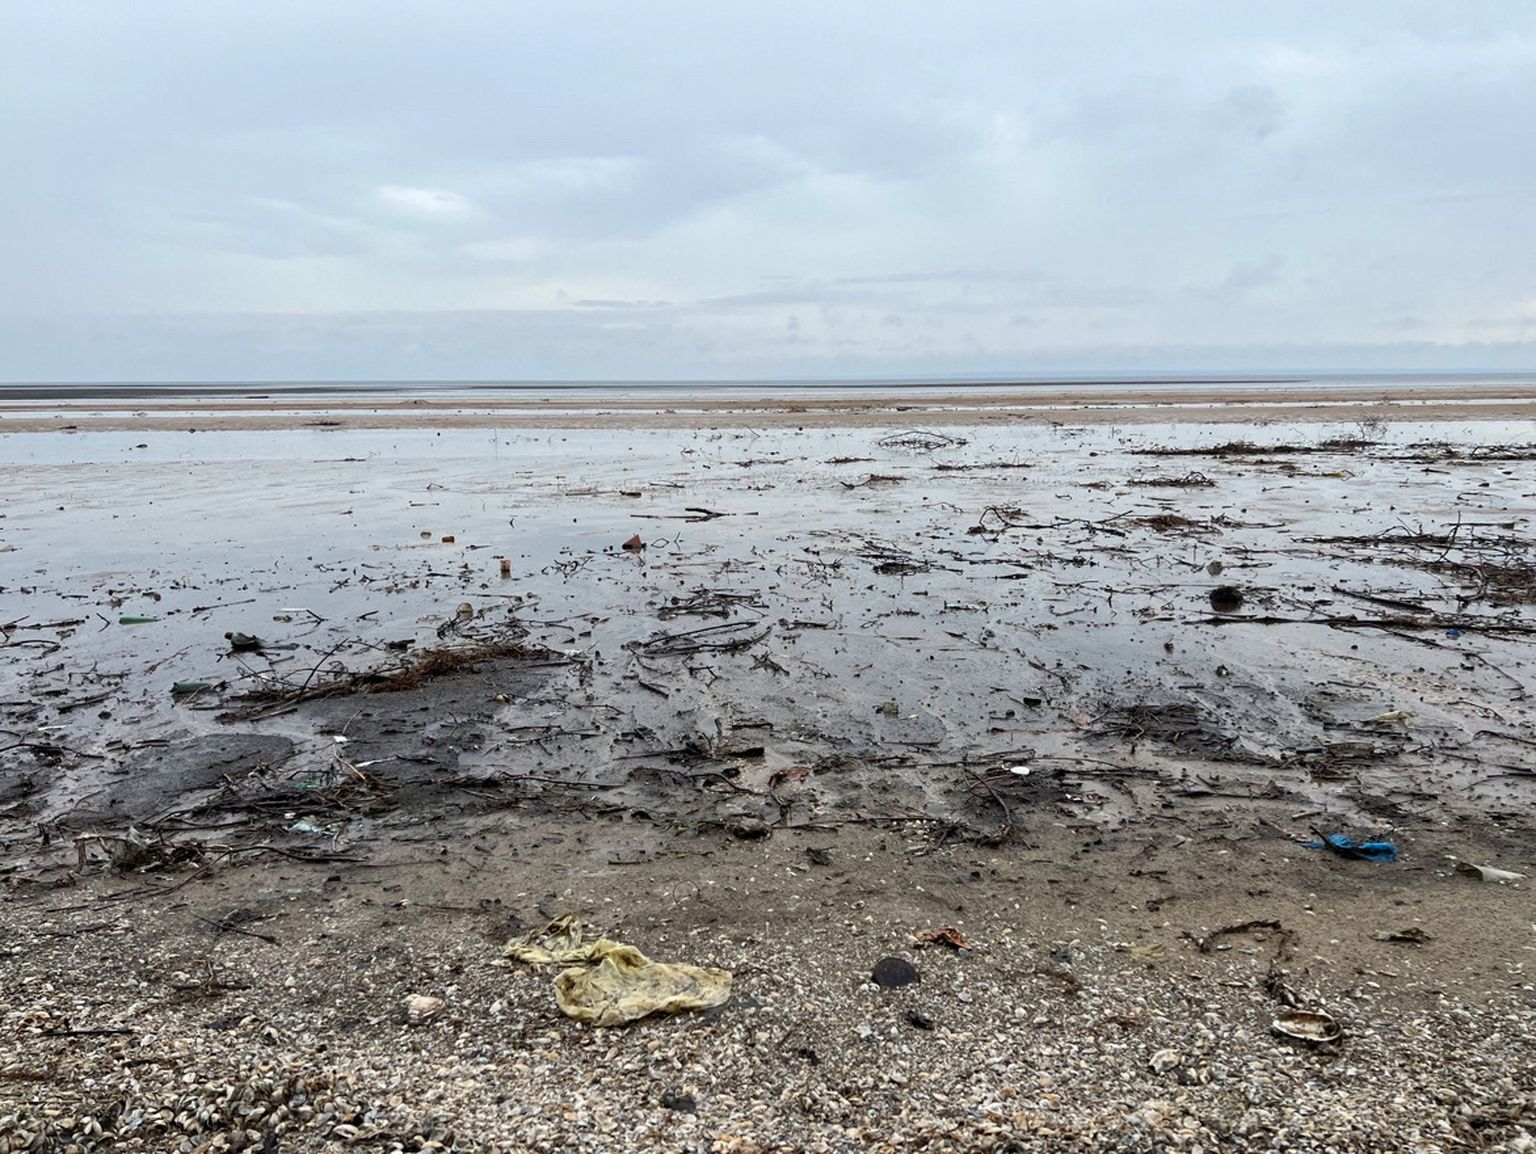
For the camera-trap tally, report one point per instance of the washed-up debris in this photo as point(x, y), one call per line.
point(1191, 480)
point(609, 983)
point(726, 638)
point(710, 603)
point(1496, 568)
point(924, 439)
point(134, 850)
point(419, 1009)
point(947, 467)
point(243, 642)
point(1346, 846)
point(871, 480)
point(947, 936)
point(136, 619)
point(1174, 523)
point(1249, 449)
point(426, 666)
point(693, 514)
point(1412, 936)
point(293, 613)
point(893, 973)
point(634, 544)
point(1487, 873)
point(1312, 1026)
point(192, 688)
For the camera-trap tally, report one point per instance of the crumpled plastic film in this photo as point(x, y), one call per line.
point(609, 983)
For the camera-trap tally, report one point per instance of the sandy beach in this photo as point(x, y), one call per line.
point(102, 409)
point(309, 711)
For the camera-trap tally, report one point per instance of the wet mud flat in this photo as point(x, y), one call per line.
point(1317, 625)
point(281, 683)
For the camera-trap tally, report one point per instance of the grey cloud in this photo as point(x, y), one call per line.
point(1019, 183)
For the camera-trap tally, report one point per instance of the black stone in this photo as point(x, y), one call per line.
point(890, 973)
point(1226, 599)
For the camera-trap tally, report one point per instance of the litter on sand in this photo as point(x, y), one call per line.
point(1345, 846)
point(1487, 873)
point(948, 936)
point(609, 983)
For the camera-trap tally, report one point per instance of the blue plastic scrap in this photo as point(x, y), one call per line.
point(1345, 846)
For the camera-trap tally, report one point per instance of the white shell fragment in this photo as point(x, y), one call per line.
point(1308, 1026)
point(1165, 1060)
point(421, 1009)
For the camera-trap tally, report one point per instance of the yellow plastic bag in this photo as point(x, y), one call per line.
point(609, 983)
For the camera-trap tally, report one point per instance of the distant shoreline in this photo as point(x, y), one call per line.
point(747, 407)
point(112, 390)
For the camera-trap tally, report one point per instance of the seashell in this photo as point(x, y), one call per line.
point(1308, 1026)
point(421, 1009)
point(1165, 1060)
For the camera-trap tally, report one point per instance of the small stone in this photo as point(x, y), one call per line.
point(889, 973)
point(919, 1019)
point(421, 1009)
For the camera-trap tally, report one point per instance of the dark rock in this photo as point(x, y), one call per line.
point(889, 973)
point(1226, 599)
point(919, 1019)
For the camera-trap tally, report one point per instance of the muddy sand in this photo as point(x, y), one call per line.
point(299, 721)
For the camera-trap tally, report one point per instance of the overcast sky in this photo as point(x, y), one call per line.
point(365, 188)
